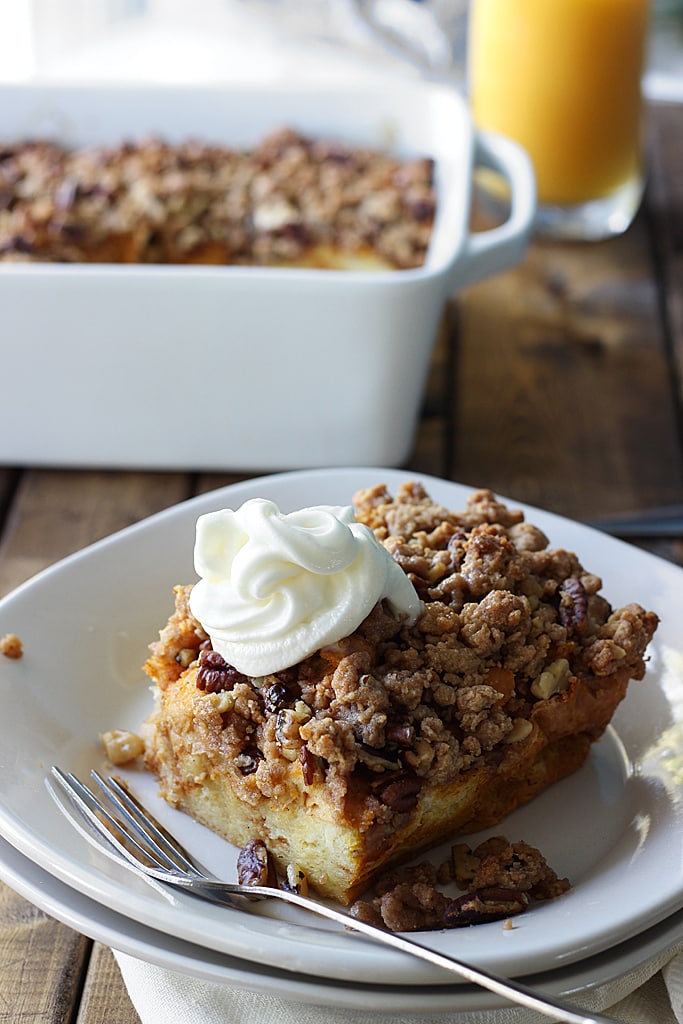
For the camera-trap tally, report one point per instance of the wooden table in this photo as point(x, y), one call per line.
point(557, 383)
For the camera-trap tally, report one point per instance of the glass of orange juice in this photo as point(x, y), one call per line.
point(563, 78)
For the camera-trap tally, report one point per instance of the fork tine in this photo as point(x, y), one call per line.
point(94, 812)
point(167, 850)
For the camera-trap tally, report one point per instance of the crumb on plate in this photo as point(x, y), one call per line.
point(11, 646)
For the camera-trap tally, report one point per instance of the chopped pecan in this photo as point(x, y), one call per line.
point(494, 846)
point(555, 678)
point(400, 733)
point(309, 765)
point(464, 864)
point(248, 761)
point(287, 729)
point(573, 609)
point(295, 880)
point(185, 656)
point(376, 760)
point(274, 697)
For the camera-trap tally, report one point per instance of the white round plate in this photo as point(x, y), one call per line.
point(615, 828)
point(128, 936)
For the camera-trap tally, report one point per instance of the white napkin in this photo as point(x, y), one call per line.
point(651, 994)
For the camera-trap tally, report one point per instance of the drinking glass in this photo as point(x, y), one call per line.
point(563, 78)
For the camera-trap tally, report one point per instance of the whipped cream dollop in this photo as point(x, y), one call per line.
point(277, 587)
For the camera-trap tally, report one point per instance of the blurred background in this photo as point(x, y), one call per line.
point(213, 41)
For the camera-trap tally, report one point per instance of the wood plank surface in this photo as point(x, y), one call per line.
point(105, 999)
point(57, 512)
point(42, 964)
point(563, 382)
point(53, 514)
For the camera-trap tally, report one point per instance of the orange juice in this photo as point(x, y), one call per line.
point(562, 78)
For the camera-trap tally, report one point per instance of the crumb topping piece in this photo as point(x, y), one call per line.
point(502, 879)
point(11, 646)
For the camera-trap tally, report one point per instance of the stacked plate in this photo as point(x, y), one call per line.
point(615, 828)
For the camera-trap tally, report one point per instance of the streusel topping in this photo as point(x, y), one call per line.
point(289, 200)
point(510, 628)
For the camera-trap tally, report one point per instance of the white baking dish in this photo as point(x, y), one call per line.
point(232, 367)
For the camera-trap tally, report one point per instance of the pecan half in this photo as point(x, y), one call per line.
point(255, 865)
point(484, 905)
point(215, 674)
point(401, 793)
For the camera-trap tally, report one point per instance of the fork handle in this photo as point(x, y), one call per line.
point(510, 990)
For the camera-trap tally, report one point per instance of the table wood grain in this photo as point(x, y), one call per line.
point(558, 383)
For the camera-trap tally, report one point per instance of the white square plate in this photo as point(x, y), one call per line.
point(615, 828)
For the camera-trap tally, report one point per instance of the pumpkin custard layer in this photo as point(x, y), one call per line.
point(400, 736)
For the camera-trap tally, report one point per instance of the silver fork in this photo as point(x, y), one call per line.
point(122, 828)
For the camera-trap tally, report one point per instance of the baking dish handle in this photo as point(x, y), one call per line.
point(489, 252)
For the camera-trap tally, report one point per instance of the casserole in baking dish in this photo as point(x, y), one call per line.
point(265, 367)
